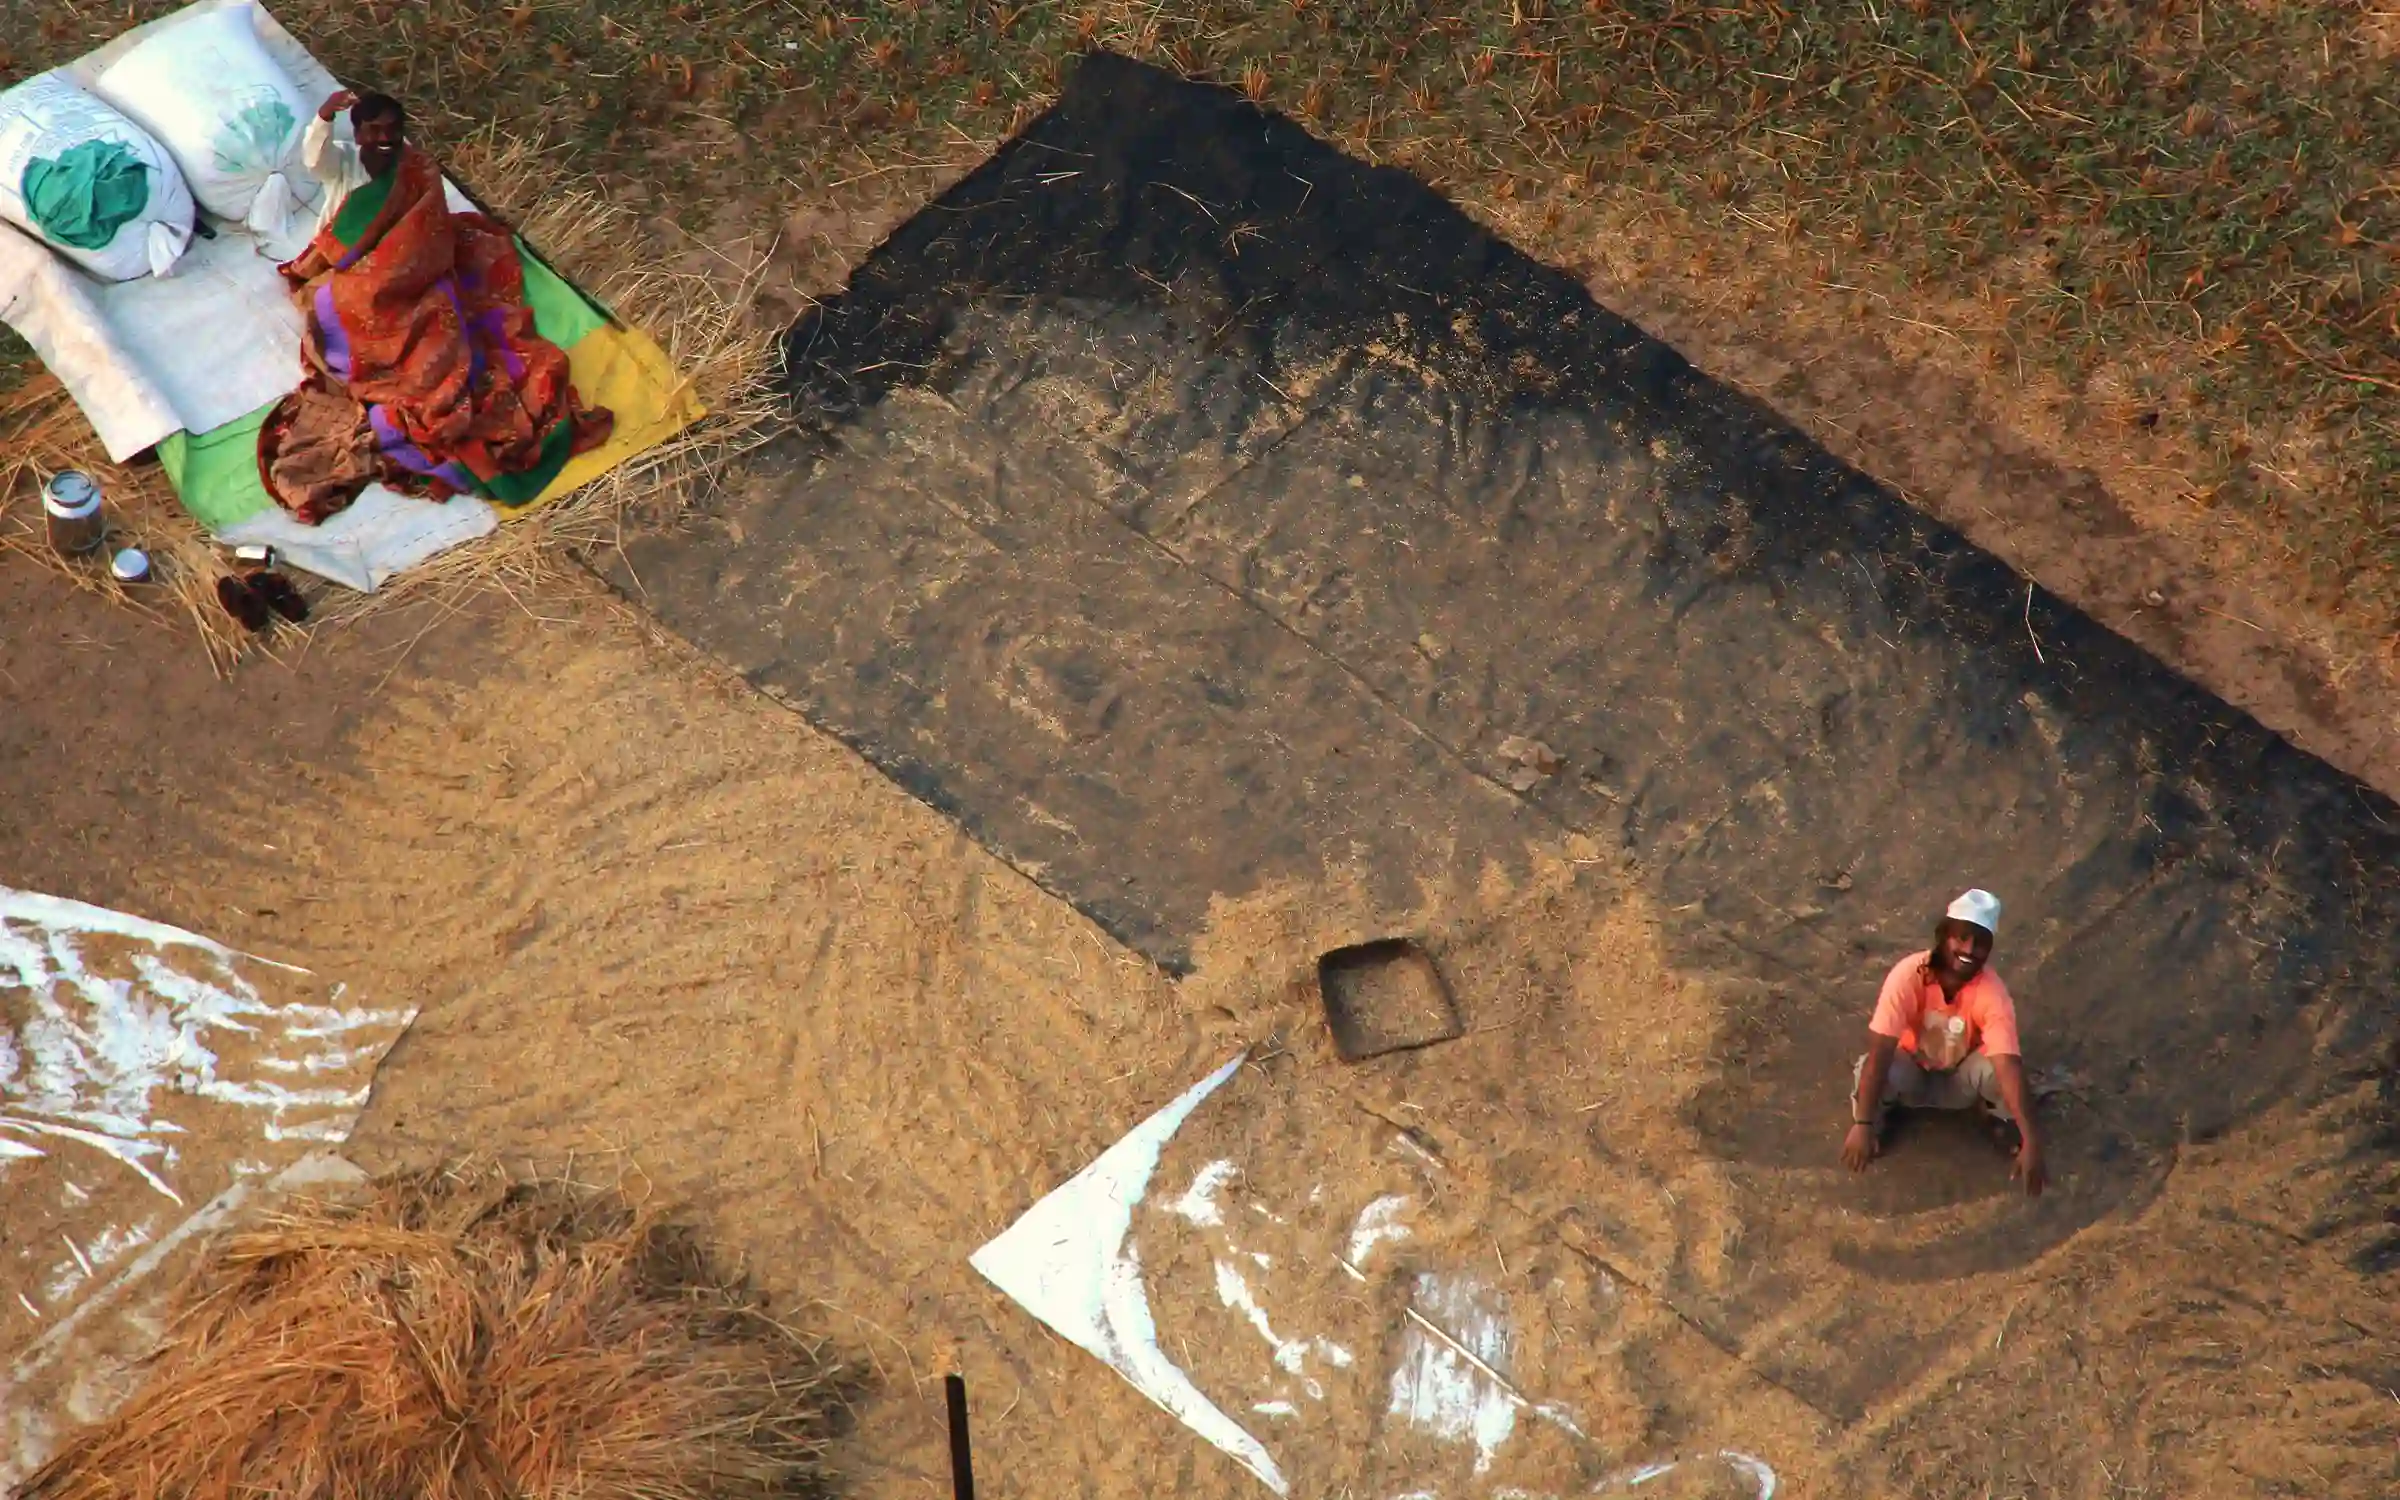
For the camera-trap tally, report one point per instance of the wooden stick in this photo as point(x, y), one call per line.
point(1467, 1354)
point(962, 1462)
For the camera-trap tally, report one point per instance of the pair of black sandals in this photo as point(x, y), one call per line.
point(256, 599)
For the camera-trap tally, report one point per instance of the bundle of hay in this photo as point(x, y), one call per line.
point(458, 1336)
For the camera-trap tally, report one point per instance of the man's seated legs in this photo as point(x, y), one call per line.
point(1972, 1082)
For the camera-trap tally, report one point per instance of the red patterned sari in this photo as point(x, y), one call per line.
point(418, 314)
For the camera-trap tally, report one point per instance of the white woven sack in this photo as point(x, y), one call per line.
point(46, 117)
point(226, 110)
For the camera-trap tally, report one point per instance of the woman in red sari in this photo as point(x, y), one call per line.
point(417, 313)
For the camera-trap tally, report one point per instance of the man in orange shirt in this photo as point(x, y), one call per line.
point(1945, 1037)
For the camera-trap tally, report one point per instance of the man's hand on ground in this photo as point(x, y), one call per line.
point(1859, 1147)
point(2029, 1169)
point(336, 102)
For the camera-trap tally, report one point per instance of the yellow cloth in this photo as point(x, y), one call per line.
point(625, 371)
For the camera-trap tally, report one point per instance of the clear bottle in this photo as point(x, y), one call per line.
point(71, 513)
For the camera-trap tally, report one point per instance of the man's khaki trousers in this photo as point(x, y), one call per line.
point(1972, 1082)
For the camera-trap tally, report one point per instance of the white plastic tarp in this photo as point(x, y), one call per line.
point(1299, 1360)
point(150, 1078)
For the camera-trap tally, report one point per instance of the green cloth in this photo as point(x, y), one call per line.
point(513, 490)
point(80, 199)
point(357, 213)
point(561, 314)
point(216, 472)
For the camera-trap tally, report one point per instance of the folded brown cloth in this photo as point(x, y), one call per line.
point(316, 451)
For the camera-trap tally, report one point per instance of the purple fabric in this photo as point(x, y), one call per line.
point(491, 331)
point(467, 328)
point(395, 446)
point(330, 334)
point(486, 333)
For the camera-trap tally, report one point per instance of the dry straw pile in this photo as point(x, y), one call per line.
point(458, 1336)
point(703, 320)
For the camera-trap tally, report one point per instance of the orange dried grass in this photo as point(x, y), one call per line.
point(459, 1336)
point(41, 432)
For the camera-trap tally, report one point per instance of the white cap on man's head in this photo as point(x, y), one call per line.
point(1980, 907)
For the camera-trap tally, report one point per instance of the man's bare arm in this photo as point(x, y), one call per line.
point(2008, 1071)
point(321, 151)
point(1859, 1146)
point(1881, 1050)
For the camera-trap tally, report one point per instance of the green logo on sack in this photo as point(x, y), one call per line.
point(256, 137)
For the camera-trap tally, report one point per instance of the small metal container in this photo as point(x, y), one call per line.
point(131, 566)
point(255, 555)
point(71, 513)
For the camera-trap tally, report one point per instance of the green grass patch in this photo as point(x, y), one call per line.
point(17, 361)
point(2212, 184)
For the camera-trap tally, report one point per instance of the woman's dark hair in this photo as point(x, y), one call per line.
point(378, 107)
